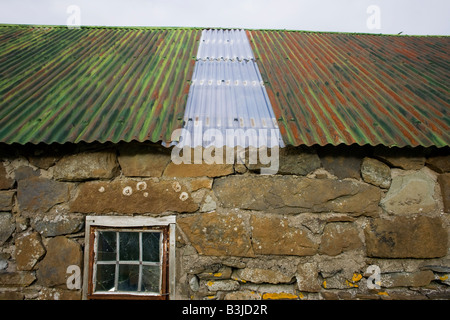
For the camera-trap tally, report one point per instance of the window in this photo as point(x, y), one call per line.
point(129, 257)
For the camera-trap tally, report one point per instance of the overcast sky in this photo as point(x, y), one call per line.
point(413, 17)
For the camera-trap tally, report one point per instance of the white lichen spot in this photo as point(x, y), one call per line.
point(176, 186)
point(102, 189)
point(127, 191)
point(141, 186)
point(146, 194)
point(184, 196)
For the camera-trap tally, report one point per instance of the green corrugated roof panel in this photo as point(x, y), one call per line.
point(93, 83)
point(334, 88)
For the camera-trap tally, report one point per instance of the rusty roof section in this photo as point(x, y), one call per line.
point(93, 83)
point(110, 84)
point(328, 88)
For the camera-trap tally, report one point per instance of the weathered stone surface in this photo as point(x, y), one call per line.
point(130, 196)
point(61, 253)
point(376, 172)
point(342, 166)
point(25, 172)
point(198, 170)
point(44, 161)
point(201, 183)
point(307, 277)
point(298, 162)
point(407, 159)
point(410, 193)
point(440, 164)
point(218, 234)
point(29, 250)
point(16, 279)
point(220, 285)
point(7, 226)
point(222, 273)
point(85, 166)
point(5, 182)
point(404, 237)
point(339, 237)
point(143, 161)
point(40, 194)
point(60, 224)
point(6, 200)
point(271, 235)
point(292, 194)
point(11, 295)
point(259, 275)
point(58, 294)
point(406, 279)
point(243, 295)
point(444, 183)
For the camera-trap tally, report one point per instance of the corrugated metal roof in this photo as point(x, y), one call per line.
point(349, 88)
point(227, 103)
point(93, 84)
point(122, 84)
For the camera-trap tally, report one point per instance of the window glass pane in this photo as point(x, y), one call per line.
point(128, 277)
point(150, 278)
point(129, 246)
point(150, 246)
point(105, 277)
point(106, 250)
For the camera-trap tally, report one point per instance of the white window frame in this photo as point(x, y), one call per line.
point(136, 223)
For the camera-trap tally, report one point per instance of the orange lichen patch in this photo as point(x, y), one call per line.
point(279, 296)
point(352, 283)
point(383, 293)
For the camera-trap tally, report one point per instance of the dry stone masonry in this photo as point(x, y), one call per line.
point(316, 230)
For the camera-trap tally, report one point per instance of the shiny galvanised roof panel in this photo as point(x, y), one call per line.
point(228, 104)
point(93, 83)
point(328, 88)
point(220, 44)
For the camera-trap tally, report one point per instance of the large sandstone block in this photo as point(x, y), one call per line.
point(339, 237)
point(411, 193)
point(271, 235)
point(198, 170)
point(218, 234)
point(143, 161)
point(406, 279)
point(5, 181)
point(16, 279)
point(87, 165)
point(40, 194)
point(406, 237)
point(292, 194)
point(61, 253)
point(131, 196)
point(29, 250)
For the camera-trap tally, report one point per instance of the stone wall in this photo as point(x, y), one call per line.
point(325, 227)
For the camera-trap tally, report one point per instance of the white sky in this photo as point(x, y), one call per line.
point(414, 17)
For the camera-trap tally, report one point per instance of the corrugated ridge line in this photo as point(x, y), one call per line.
point(74, 106)
point(325, 53)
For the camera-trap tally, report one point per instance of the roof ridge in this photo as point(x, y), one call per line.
point(2, 25)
